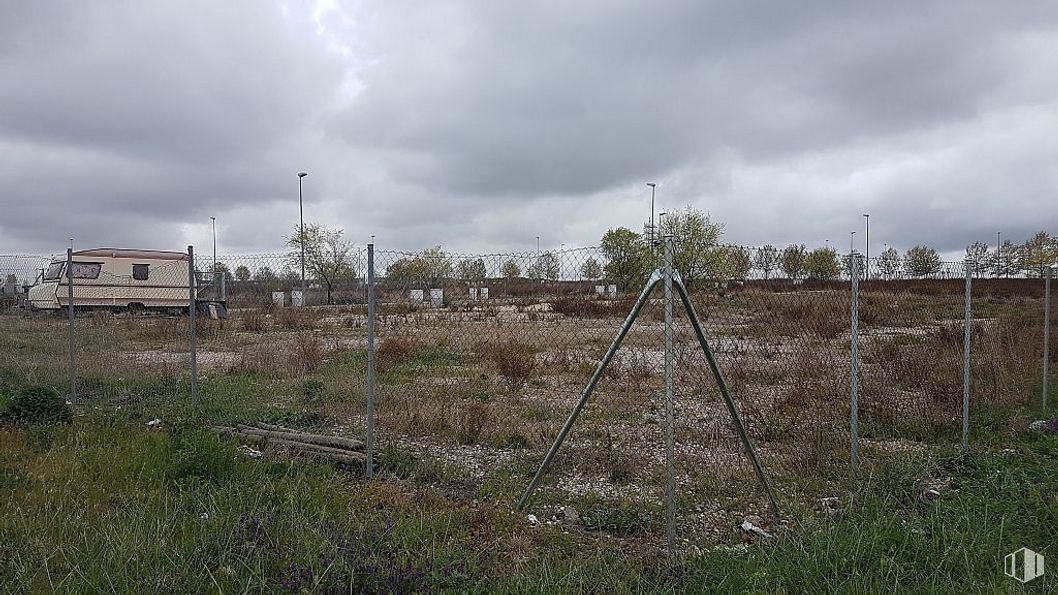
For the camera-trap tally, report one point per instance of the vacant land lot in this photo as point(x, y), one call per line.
point(470, 396)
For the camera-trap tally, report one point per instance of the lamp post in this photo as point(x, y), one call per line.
point(561, 258)
point(653, 235)
point(301, 214)
point(213, 222)
point(867, 242)
point(999, 252)
point(852, 242)
point(538, 244)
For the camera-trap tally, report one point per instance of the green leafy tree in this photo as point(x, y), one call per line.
point(823, 264)
point(978, 253)
point(1038, 253)
point(921, 261)
point(889, 263)
point(327, 254)
point(767, 260)
point(242, 273)
point(1005, 260)
point(627, 256)
point(472, 270)
point(696, 253)
point(794, 261)
point(732, 262)
point(426, 268)
point(510, 269)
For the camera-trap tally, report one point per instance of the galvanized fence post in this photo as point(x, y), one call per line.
point(70, 346)
point(370, 446)
point(967, 321)
point(1046, 330)
point(192, 309)
point(670, 488)
point(854, 381)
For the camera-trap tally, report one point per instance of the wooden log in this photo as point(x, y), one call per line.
point(273, 427)
point(336, 454)
point(332, 441)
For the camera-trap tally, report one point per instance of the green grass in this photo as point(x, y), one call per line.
point(107, 504)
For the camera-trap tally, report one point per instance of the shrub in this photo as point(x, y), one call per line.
point(312, 390)
point(476, 416)
point(201, 455)
point(207, 328)
point(306, 354)
point(392, 351)
point(515, 361)
point(253, 321)
point(36, 404)
point(295, 319)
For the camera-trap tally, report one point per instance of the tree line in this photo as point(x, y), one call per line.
point(628, 257)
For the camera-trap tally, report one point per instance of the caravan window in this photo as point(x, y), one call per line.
point(54, 271)
point(86, 270)
point(139, 272)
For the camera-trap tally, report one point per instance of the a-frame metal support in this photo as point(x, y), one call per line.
point(656, 277)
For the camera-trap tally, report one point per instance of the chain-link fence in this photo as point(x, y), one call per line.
point(480, 359)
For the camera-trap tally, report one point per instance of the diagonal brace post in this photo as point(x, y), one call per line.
point(735, 418)
point(655, 278)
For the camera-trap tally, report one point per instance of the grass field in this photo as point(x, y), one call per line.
point(107, 504)
point(470, 396)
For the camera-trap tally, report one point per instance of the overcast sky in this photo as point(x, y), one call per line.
point(480, 125)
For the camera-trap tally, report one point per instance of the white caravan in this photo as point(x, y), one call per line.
point(115, 278)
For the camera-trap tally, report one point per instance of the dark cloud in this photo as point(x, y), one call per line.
point(480, 125)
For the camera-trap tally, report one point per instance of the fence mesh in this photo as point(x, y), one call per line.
point(481, 358)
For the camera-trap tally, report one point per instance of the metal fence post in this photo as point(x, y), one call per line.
point(854, 381)
point(969, 265)
point(1046, 330)
point(670, 496)
point(370, 446)
point(69, 297)
point(192, 309)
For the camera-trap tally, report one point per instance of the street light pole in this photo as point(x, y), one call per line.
point(852, 242)
point(213, 221)
point(999, 252)
point(653, 234)
point(301, 214)
point(561, 258)
point(867, 243)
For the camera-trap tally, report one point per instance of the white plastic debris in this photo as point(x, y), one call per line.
point(251, 452)
point(532, 519)
point(154, 423)
point(749, 527)
point(829, 504)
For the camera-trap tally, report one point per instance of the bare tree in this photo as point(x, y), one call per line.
point(326, 254)
point(767, 260)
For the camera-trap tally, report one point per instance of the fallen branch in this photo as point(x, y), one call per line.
point(340, 455)
point(333, 441)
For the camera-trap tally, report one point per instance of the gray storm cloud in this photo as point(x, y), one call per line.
point(479, 125)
